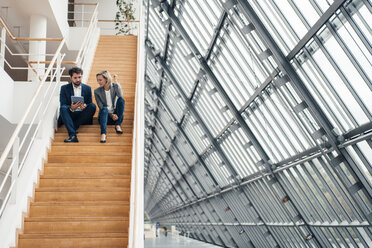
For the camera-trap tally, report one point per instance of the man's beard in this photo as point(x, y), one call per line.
point(78, 83)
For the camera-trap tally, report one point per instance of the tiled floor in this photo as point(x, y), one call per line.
point(174, 242)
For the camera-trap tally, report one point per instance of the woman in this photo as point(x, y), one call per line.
point(109, 98)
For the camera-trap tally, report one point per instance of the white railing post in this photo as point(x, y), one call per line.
point(2, 47)
point(15, 162)
point(58, 68)
point(38, 61)
point(58, 82)
point(82, 15)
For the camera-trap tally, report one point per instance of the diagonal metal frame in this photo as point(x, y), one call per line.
point(313, 107)
point(178, 26)
point(196, 179)
point(190, 106)
point(166, 175)
point(190, 168)
point(173, 139)
point(192, 109)
point(166, 45)
point(162, 171)
point(176, 165)
point(209, 51)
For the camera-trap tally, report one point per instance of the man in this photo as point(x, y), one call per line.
point(165, 231)
point(74, 114)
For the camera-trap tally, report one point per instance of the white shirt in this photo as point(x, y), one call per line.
point(77, 90)
point(110, 106)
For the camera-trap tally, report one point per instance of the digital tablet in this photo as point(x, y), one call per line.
point(76, 99)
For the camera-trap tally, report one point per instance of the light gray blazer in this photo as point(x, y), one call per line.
point(100, 95)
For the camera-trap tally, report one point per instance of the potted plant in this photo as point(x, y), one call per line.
point(124, 15)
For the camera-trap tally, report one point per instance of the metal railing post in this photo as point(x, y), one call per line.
point(82, 15)
point(15, 162)
point(38, 60)
point(58, 68)
point(58, 81)
point(2, 47)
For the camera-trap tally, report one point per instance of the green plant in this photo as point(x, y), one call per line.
point(124, 15)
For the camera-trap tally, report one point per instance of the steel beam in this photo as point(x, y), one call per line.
point(194, 112)
point(177, 24)
point(204, 65)
point(315, 28)
point(313, 107)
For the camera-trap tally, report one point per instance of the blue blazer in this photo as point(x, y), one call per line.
point(67, 91)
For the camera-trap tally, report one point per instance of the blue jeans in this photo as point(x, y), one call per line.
point(73, 120)
point(104, 119)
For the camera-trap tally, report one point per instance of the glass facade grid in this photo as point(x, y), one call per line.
point(259, 125)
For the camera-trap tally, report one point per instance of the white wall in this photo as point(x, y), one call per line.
point(14, 18)
point(6, 95)
point(22, 95)
point(59, 8)
point(107, 11)
point(107, 8)
point(75, 37)
point(12, 216)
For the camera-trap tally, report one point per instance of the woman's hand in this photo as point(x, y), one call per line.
point(115, 78)
point(114, 117)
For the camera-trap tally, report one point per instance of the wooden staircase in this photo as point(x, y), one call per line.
point(82, 199)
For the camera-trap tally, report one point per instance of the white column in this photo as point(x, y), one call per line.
point(38, 29)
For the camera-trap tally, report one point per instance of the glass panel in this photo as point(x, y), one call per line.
point(303, 159)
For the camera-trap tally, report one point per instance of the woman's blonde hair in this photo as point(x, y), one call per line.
point(106, 75)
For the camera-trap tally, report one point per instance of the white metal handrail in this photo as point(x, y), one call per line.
point(4, 47)
point(85, 46)
point(54, 72)
point(14, 139)
point(136, 222)
point(29, 65)
point(108, 25)
point(82, 13)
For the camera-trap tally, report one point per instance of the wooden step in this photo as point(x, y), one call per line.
point(111, 209)
point(98, 149)
point(46, 165)
point(91, 158)
point(76, 225)
point(81, 196)
point(96, 129)
point(89, 133)
point(124, 181)
point(82, 171)
point(80, 189)
point(87, 155)
point(93, 141)
point(124, 137)
point(78, 240)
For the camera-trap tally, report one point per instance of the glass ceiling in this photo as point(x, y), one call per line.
point(258, 121)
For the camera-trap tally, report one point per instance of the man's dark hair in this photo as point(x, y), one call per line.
point(76, 70)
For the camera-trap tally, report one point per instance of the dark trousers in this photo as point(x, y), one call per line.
point(73, 120)
point(104, 119)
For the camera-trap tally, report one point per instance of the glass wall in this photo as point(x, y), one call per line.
point(259, 120)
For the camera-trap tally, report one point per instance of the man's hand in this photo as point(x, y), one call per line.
point(83, 106)
point(74, 106)
point(114, 117)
